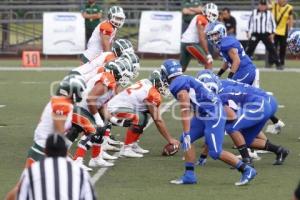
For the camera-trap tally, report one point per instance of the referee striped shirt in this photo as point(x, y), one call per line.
point(55, 178)
point(261, 22)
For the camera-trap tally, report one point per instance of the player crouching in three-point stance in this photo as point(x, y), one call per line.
point(208, 121)
point(57, 115)
point(253, 108)
point(135, 103)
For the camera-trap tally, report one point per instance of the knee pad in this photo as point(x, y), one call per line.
point(214, 155)
point(73, 132)
point(137, 129)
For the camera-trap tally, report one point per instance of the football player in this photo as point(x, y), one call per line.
point(293, 41)
point(86, 117)
point(253, 107)
point(57, 115)
point(208, 121)
point(90, 69)
point(241, 66)
point(104, 34)
point(135, 103)
point(195, 34)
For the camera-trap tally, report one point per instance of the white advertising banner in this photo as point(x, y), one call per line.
point(160, 32)
point(242, 21)
point(63, 33)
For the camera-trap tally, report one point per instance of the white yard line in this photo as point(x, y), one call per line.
point(2, 106)
point(102, 171)
point(192, 69)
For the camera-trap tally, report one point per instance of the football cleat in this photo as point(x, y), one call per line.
point(275, 128)
point(99, 162)
point(280, 156)
point(247, 176)
point(111, 141)
point(107, 147)
point(79, 162)
point(106, 156)
point(187, 178)
point(127, 151)
point(137, 149)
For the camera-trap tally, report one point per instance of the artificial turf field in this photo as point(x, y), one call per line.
point(25, 93)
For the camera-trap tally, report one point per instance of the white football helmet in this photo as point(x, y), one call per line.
point(116, 16)
point(211, 11)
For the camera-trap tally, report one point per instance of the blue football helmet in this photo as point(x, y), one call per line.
point(293, 42)
point(215, 32)
point(170, 69)
point(210, 80)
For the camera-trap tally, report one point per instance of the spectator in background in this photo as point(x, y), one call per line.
point(229, 22)
point(54, 177)
point(283, 14)
point(262, 27)
point(190, 8)
point(92, 14)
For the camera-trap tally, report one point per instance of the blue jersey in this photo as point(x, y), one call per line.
point(230, 42)
point(202, 99)
point(245, 88)
point(240, 93)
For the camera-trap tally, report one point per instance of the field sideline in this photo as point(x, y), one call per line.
point(25, 93)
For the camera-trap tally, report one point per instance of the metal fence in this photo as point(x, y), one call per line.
point(21, 20)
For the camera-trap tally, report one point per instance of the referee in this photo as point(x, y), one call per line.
point(54, 177)
point(262, 26)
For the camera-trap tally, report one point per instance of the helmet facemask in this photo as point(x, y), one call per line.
point(211, 12)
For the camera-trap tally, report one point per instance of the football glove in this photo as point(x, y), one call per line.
point(209, 58)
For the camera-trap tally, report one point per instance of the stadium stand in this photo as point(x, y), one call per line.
point(21, 20)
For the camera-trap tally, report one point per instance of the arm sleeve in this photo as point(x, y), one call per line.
point(88, 191)
point(23, 191)
point(273, 22)
point(250, 24)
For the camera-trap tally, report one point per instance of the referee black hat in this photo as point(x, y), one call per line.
point(56, 146)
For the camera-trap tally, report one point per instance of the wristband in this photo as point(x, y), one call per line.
point(230, 75)
point(221, 71)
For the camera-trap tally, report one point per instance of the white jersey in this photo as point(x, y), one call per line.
point(106, 79)
point(59, 106)
point(191, 35)
point(134, 97)
point(94, 46)
point(90, 69)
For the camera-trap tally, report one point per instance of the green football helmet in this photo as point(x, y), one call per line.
point(121, 69)
point(121, 46)
point(116, 16)
point(134, 59)
point(159, 84)
point(72, 86)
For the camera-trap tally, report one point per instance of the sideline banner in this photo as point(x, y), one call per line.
point(63, 33)
point(242, 21)
point(160, 32)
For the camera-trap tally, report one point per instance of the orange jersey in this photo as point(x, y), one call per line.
point(191, 34)
point(108, 80)
point(90, 69)
point(94, 46)
point(136, 97)
point(58, 105)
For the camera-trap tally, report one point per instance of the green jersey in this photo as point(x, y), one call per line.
point(188, 4)
point(91, 9)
